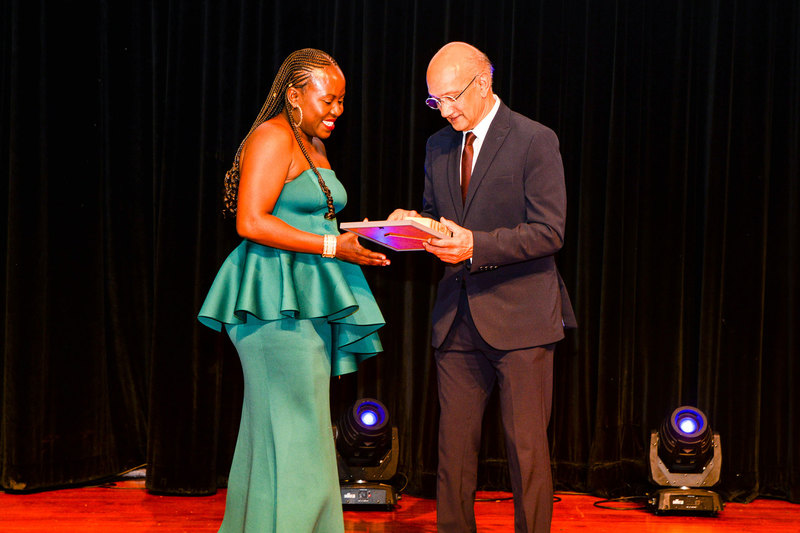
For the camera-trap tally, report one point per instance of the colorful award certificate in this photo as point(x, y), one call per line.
point(399, 235)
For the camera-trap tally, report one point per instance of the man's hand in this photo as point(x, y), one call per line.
point(455, 249)
point(400, 214)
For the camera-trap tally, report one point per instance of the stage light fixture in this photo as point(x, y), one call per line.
point(686, 457)
point(366, 454)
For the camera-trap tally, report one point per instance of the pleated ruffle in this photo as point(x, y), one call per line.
point(261, 283)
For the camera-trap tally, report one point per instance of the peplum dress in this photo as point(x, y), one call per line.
point(295, 319)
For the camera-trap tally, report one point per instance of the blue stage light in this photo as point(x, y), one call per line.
point(364, 432)
point(685, 456)
point(689, 420)
point(366, 454)
point(370, 413)
point(369, 418)
point(688, 425)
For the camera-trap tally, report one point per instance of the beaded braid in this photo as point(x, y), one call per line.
point(294, 72)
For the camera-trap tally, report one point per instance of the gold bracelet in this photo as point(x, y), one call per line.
point(329, 246)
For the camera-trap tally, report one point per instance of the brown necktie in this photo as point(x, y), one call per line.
point(466, 164)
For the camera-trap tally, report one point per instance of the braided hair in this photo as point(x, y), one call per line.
point(294, 72)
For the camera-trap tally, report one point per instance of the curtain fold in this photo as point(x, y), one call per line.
point(680, 133)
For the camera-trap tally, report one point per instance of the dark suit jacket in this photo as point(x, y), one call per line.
point(516, 209)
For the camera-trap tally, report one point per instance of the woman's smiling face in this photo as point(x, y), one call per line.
point(322, 101)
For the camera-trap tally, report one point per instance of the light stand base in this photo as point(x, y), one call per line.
point(367, 493)
point(686, 501)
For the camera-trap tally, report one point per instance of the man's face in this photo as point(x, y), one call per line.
point(450, 82)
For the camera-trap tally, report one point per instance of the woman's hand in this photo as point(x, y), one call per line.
point(349, 249)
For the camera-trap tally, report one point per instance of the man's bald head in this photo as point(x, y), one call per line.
point(460, 81)
point(460, 58)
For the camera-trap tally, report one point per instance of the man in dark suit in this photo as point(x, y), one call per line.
point(501, 305)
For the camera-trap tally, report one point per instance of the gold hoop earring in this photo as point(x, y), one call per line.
point(298, 108)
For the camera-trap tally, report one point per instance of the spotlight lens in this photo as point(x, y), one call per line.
point(689, 421)
point(369, 418)
point(688, 425)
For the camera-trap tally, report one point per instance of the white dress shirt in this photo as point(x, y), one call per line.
point(481, 130)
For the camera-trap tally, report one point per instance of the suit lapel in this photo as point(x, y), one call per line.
point(497, 133)
point(454, 174)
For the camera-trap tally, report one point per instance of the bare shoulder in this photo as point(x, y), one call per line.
point(271, 140)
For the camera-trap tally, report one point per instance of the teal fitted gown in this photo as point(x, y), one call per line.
point(295, 319)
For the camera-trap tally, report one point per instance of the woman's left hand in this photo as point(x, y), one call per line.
point(349, 249)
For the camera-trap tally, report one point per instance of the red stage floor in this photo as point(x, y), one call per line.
point(128, 508)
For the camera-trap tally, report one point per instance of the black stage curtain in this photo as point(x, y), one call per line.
point(680, 131)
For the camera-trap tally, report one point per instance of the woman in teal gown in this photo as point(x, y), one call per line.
point(295, 303)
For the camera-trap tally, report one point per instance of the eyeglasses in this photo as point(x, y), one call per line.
point(436, 103)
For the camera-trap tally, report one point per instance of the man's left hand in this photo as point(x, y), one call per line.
point(453, 249)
